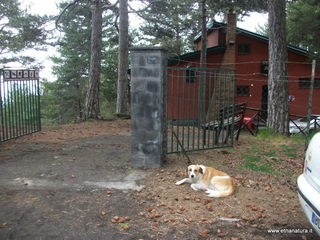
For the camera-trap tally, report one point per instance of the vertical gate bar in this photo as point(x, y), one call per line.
point(1, 107)
point(183, 107)
point(199, 109)
point(188, 101)
point(215, 118)
point(5, 109)
point(35, 104)
point(231, 102)
point(233, 87)
point(27, 96)
point(194, 109)
point(18, 114)
point(178, 108)
point(39, 105)
point(24, 108)
point(18, 106)
point(225, 100)
point(204, 103)
point(12, 105)
point(10, 110)
point(32, 106)
point(221, 106)
point(31, 82)
point(209, 108)
point(15, 110)
point(172, 72)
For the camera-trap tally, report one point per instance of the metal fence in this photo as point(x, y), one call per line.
point(19, 103)
point(195, 97)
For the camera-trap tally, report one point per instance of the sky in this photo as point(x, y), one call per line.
point(42, 7)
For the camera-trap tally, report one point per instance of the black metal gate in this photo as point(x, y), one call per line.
point(19, 103)
point(200, 108)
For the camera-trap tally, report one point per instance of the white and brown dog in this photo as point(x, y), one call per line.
point(215, 182)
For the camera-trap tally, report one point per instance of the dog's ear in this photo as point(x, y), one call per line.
point(201, 169)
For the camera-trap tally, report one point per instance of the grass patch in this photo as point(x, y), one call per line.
point(289, 151)
point(266, 167)
point(255, 163)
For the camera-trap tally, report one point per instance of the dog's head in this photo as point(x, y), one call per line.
point(195, 172)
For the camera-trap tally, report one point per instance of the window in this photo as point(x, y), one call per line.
point(190, 75)
point(305, 83)
point(244, 48)
point(243, 91)
point(264, 67)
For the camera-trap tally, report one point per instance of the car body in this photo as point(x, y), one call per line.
point(309, 183)
point(301, 124)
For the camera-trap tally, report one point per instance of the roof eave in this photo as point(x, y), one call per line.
point(195, 54)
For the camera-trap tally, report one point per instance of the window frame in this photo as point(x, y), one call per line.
point(244, 48)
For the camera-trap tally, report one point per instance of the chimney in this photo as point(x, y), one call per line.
point(230, 54)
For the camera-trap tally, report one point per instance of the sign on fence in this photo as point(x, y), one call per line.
point(23, 74)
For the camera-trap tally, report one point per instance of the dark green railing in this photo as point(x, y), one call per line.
point(19, 103)
point(195, 99)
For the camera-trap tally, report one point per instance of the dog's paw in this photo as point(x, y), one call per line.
point(194, 187)
point(213, 194)
point(180, 182)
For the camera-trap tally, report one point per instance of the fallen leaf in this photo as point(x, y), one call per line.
point(254, 208)
point(158, 215)
point(150, 210)
point(238, 225)
point(103, 213)
point(154, 224)
point(209, 208)
point(187, 222)
point(141, 214)
point(204, 219)
point(126, 227)
point(204, 233)
point(122, 220)
point(222, 234)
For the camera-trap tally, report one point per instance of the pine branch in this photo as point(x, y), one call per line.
point(65, 9)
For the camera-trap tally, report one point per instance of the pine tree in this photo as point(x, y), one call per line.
point(19, 30)
point(303, 16)
point(123, 55)
point(172, 24)
point(277, 77)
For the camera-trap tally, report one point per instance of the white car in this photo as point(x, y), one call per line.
point(300, 124)
point(309, 183)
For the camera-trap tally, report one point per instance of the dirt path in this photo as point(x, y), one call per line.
point(75, 182)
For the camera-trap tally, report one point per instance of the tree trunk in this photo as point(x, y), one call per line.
point(277, 79)
point(122, 88)
point(92, 107)
point(203, 61)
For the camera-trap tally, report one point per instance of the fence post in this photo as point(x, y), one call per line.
point(148, 107)
point(313, 71)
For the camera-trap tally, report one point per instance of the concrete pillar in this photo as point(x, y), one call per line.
point(148, 107)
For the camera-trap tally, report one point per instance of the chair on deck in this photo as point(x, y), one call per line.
point(230, 120)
